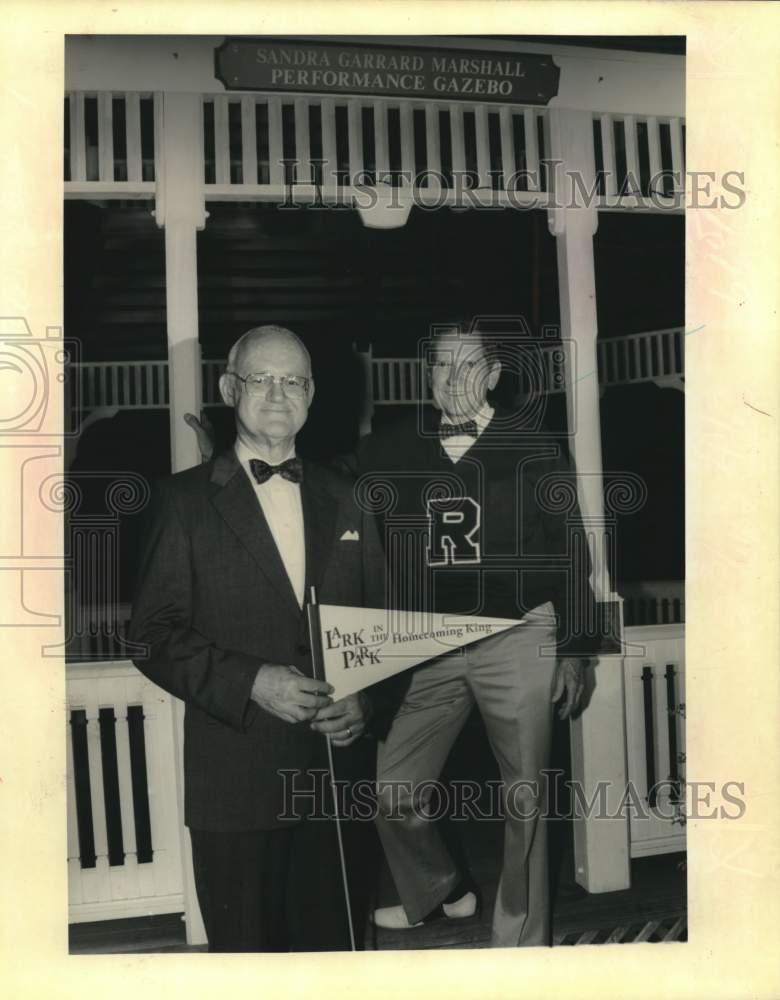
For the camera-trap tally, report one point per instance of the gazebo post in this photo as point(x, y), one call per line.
point(180, 209)
point(598, 736)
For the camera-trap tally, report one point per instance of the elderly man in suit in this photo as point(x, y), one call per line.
point(234, 548)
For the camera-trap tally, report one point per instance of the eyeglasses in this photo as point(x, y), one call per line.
point(445, 367)
point(259, 383)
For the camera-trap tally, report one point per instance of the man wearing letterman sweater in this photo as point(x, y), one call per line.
point(483, 500)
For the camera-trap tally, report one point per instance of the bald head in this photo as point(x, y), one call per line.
point(269, 412)
point(255, 341)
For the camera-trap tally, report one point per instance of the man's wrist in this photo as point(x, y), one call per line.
point(258, 684)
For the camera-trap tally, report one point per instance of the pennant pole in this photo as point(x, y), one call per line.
point(315, 640)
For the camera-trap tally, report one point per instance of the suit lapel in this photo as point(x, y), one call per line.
point(237, 504)
point(320, 512)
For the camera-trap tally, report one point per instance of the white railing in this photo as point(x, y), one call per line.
point(272, 147)
point(656, 356)
point(271, 144)
point(124, 848)
point(639, 162)
point(654, 602)
point(97, 633)
point(112, 142)
point(131, 385)
point(654, 676)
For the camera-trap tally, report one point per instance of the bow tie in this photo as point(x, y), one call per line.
point(469, 429)
point(291, 470)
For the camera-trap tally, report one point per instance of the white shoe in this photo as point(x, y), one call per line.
point(393, 918)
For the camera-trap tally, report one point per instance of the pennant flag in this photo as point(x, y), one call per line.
point(361, 646)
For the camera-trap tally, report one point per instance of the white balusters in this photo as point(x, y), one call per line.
point(275, 141)
point(150, 383)
point(531, 150)
point(458, 140)
point(97, 165)
point(380, 113)
point(329, 151)
point(432, 142)
point(78, 139)
point(105, 137)
point(483, 145)
point(221, 141)
point(75, 887)
point(654, 153)
point(133, 125)
point(142, 384)
point(632, 156)
point(98, 887)
point(507, 145)
point(381, 152)
point(407, 145)
point(303, 171)
point(355, 133)
point(659, 651)
point(129, 887)
point(608, 155)
point(678, 166)
point(248, 140)
point(157, 113)
point(93, 157)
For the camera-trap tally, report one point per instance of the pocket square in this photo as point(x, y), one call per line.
point(350, 536)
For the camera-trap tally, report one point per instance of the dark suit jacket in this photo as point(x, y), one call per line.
point(213, 603)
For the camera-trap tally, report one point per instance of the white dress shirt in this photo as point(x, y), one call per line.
point(280, 501)
point(457, 445)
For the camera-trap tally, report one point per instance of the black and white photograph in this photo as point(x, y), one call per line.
point(478, 265)
point(380, 499)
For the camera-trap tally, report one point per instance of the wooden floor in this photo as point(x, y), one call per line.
point(657, 897)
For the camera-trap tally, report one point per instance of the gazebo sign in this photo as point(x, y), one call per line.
point(387, 71)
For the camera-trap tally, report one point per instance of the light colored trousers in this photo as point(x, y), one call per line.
point(511, 682)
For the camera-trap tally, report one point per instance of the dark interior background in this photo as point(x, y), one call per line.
point(336, 283)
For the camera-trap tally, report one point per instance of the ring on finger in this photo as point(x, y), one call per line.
point(349, 732)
